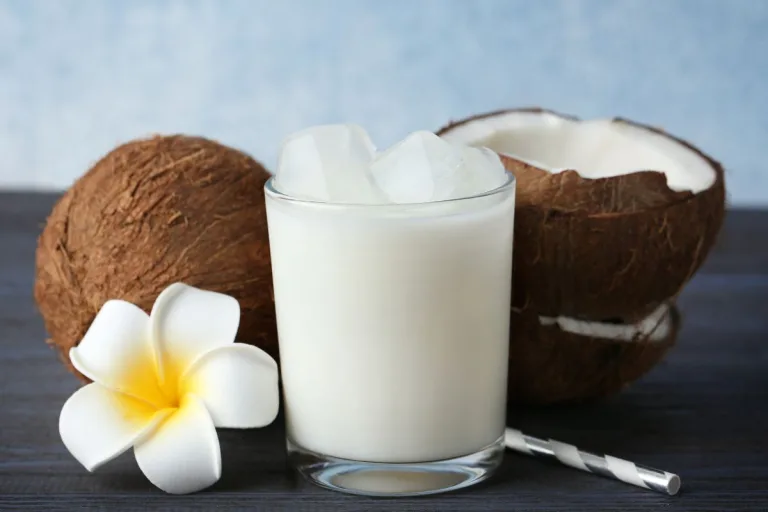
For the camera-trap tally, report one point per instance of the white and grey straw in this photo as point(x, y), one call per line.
point(603, 465)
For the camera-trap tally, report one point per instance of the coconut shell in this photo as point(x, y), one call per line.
point(550, 366)
point(150, 213)
point(610, 247)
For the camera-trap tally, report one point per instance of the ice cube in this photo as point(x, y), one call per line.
point(415, 169)
point(482, 171)
point(425, 167)
point(328, 163)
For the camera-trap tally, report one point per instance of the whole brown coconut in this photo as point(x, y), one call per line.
point(609, 246)
point(150, 213)
point(564, 360)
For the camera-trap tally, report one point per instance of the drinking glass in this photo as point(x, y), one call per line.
point(393, 324)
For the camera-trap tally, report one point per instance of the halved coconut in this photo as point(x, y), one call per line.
point(560, 359)
point(613, 217)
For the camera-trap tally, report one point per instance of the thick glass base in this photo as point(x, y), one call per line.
point(391, 479)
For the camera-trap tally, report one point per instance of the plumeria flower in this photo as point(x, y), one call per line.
point(163, 382)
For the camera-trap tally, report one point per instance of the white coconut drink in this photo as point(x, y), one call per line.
point(613, 218)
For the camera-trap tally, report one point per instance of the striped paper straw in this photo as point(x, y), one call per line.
point(603, 465)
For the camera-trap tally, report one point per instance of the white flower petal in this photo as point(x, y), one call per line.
point(183, 454)
point(238, 384)
point(98, 424)
point(188, 322)
point(116, 352)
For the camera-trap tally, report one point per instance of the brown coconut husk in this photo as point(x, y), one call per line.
point(150, 213)
point(548, 365)
point(609, 247)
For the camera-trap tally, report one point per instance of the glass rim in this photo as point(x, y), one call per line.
point(271, 191)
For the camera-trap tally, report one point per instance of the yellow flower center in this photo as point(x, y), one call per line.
point(160, 390)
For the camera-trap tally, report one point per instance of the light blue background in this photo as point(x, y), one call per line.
point(79, 76)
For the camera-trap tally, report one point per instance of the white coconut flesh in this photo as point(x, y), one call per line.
point(599, 148)
point(654, 328)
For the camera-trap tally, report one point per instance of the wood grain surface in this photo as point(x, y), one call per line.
point(703, 413)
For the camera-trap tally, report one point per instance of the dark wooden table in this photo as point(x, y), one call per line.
point(703, 413)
